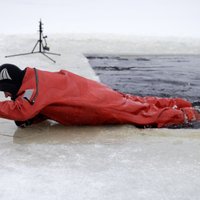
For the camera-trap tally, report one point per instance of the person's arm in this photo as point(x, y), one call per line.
point(20, 109)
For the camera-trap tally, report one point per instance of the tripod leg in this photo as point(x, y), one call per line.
point(35, 46)
point(21, 54)
point(49, 57)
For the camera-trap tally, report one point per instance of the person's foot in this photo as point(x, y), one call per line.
point(196, 106)
point(179, 126)
point(190, 125)
point(195, 103)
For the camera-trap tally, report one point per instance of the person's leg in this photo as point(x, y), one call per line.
point(163, 102)
point(183, 116)
point(161, 112)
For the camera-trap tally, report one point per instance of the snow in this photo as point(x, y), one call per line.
point(50, 161)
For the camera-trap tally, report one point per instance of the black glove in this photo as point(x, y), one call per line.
point(23, 124)
point(37, 119)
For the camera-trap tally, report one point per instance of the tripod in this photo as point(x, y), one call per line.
point(42, 47)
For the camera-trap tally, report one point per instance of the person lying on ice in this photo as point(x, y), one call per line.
point(70, 99)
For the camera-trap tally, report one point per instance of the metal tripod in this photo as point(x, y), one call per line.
point(42, 47)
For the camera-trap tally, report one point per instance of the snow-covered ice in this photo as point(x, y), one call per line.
point(50, 161)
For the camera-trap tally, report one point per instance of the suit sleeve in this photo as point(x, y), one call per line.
point(19, 110)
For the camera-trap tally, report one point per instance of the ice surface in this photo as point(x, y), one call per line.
point(49, 161)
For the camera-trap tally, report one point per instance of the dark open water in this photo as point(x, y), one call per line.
point(157, 75)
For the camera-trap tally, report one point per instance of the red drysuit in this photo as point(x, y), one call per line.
point(73, 100)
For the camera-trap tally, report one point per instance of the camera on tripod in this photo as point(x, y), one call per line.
point(43, 47)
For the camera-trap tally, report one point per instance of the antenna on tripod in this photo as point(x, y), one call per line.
point(43, 48)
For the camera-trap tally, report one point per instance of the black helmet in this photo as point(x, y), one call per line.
point(11, 78)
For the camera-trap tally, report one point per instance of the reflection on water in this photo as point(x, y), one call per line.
point(150, 75)
point(53, 133)
point(48, 133)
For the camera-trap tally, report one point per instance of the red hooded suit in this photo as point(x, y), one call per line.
point(73, 100)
